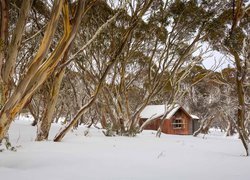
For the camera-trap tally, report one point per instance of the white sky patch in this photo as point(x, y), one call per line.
point(213, 59)
point(217, 61)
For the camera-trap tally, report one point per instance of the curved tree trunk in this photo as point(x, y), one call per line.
point(33, 113)
point(230, 129)
point(3, 43)
point(44, 124)
point(241, 117)
point(204, 127)
point(240, 75)
point(13, 48)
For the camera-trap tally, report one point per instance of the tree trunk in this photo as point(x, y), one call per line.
point(103, 119)
point(240, 75)
point(204, 127)
point(241, 106)
point(229, 130)
point(241, 114)
point(13, 48)
point(33, 113)
point(3, 43)
point(44, 124)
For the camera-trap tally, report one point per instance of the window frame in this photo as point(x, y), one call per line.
point(179, 124)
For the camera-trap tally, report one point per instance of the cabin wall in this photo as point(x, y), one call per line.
point(168, 124)
point(152, 126)
point(196, 125)
point(191, 127)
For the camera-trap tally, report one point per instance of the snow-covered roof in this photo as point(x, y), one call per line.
point(154, 111)
point(194, 116)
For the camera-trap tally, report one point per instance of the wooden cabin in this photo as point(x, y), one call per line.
point(177, 121)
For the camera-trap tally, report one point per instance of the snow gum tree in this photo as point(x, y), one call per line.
point(41, 66)
point(228, 33)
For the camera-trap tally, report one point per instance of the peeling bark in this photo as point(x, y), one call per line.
point(45, 123)
point(23, 91)
point(3, 42)
point(13, 48)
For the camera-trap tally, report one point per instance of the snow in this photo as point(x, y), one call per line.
point(173, 111)
point(194, 116)
point(143, 157)
point(158, 110)
point(153, 111)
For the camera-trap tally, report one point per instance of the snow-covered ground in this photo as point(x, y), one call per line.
point(144, 157)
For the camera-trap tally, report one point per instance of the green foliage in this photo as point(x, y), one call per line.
point(189, 15)
point(219, 28)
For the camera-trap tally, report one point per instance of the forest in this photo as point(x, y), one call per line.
point(88, 62)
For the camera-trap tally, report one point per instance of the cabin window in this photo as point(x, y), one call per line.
point(178, 123)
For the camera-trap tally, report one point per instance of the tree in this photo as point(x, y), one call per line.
point(39, 70)
point(228, 33)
